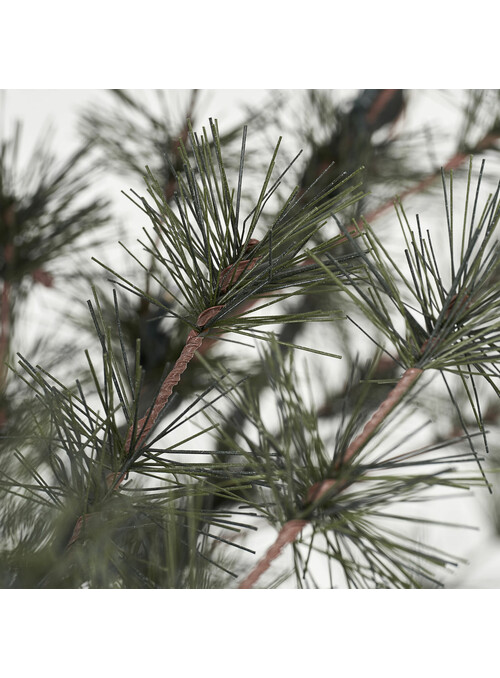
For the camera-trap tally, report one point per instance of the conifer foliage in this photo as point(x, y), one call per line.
point(200, 466)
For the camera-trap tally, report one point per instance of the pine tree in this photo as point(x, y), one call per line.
point(272, 365)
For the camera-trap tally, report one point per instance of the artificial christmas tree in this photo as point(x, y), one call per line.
point(196, 426)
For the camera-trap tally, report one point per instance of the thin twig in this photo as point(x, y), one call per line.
point(454, 162)
point(287, 535)
point(171, 185)
point(193, 342)
point(394, 397)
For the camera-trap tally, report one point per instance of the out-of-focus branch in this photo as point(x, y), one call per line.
point(5, 320)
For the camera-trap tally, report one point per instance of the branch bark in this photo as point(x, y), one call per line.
point(291, 529)
point(193, 342)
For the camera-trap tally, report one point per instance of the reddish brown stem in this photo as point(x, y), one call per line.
point(290, 530)
point(287, 535)
point(454, 162)
point(458, 159)
point(379, 104)
point(193, 342)
point(76, 530)
point(43, 277)
point(394, 397)
point(145, 424)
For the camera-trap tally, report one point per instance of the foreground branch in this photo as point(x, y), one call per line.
point(287, 535)
point(193, 342)
point(291, 529)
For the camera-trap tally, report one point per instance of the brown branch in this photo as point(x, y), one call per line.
point(287, 535)
point(291, 529)
point(393, 399)
point(41, 276)
point(193, 342)
point(227, 277)
point(171, 186)
point(382, 102)
point(453, 163)
point(77, 529)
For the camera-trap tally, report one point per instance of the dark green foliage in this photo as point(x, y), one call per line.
point(42, 214)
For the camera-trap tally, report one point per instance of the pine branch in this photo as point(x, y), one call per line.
point(292, 529)
point(218, 268)
point(217, 233)
point(193, 343)
point(472, 273)
point(44, 211)
point(459, 159)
